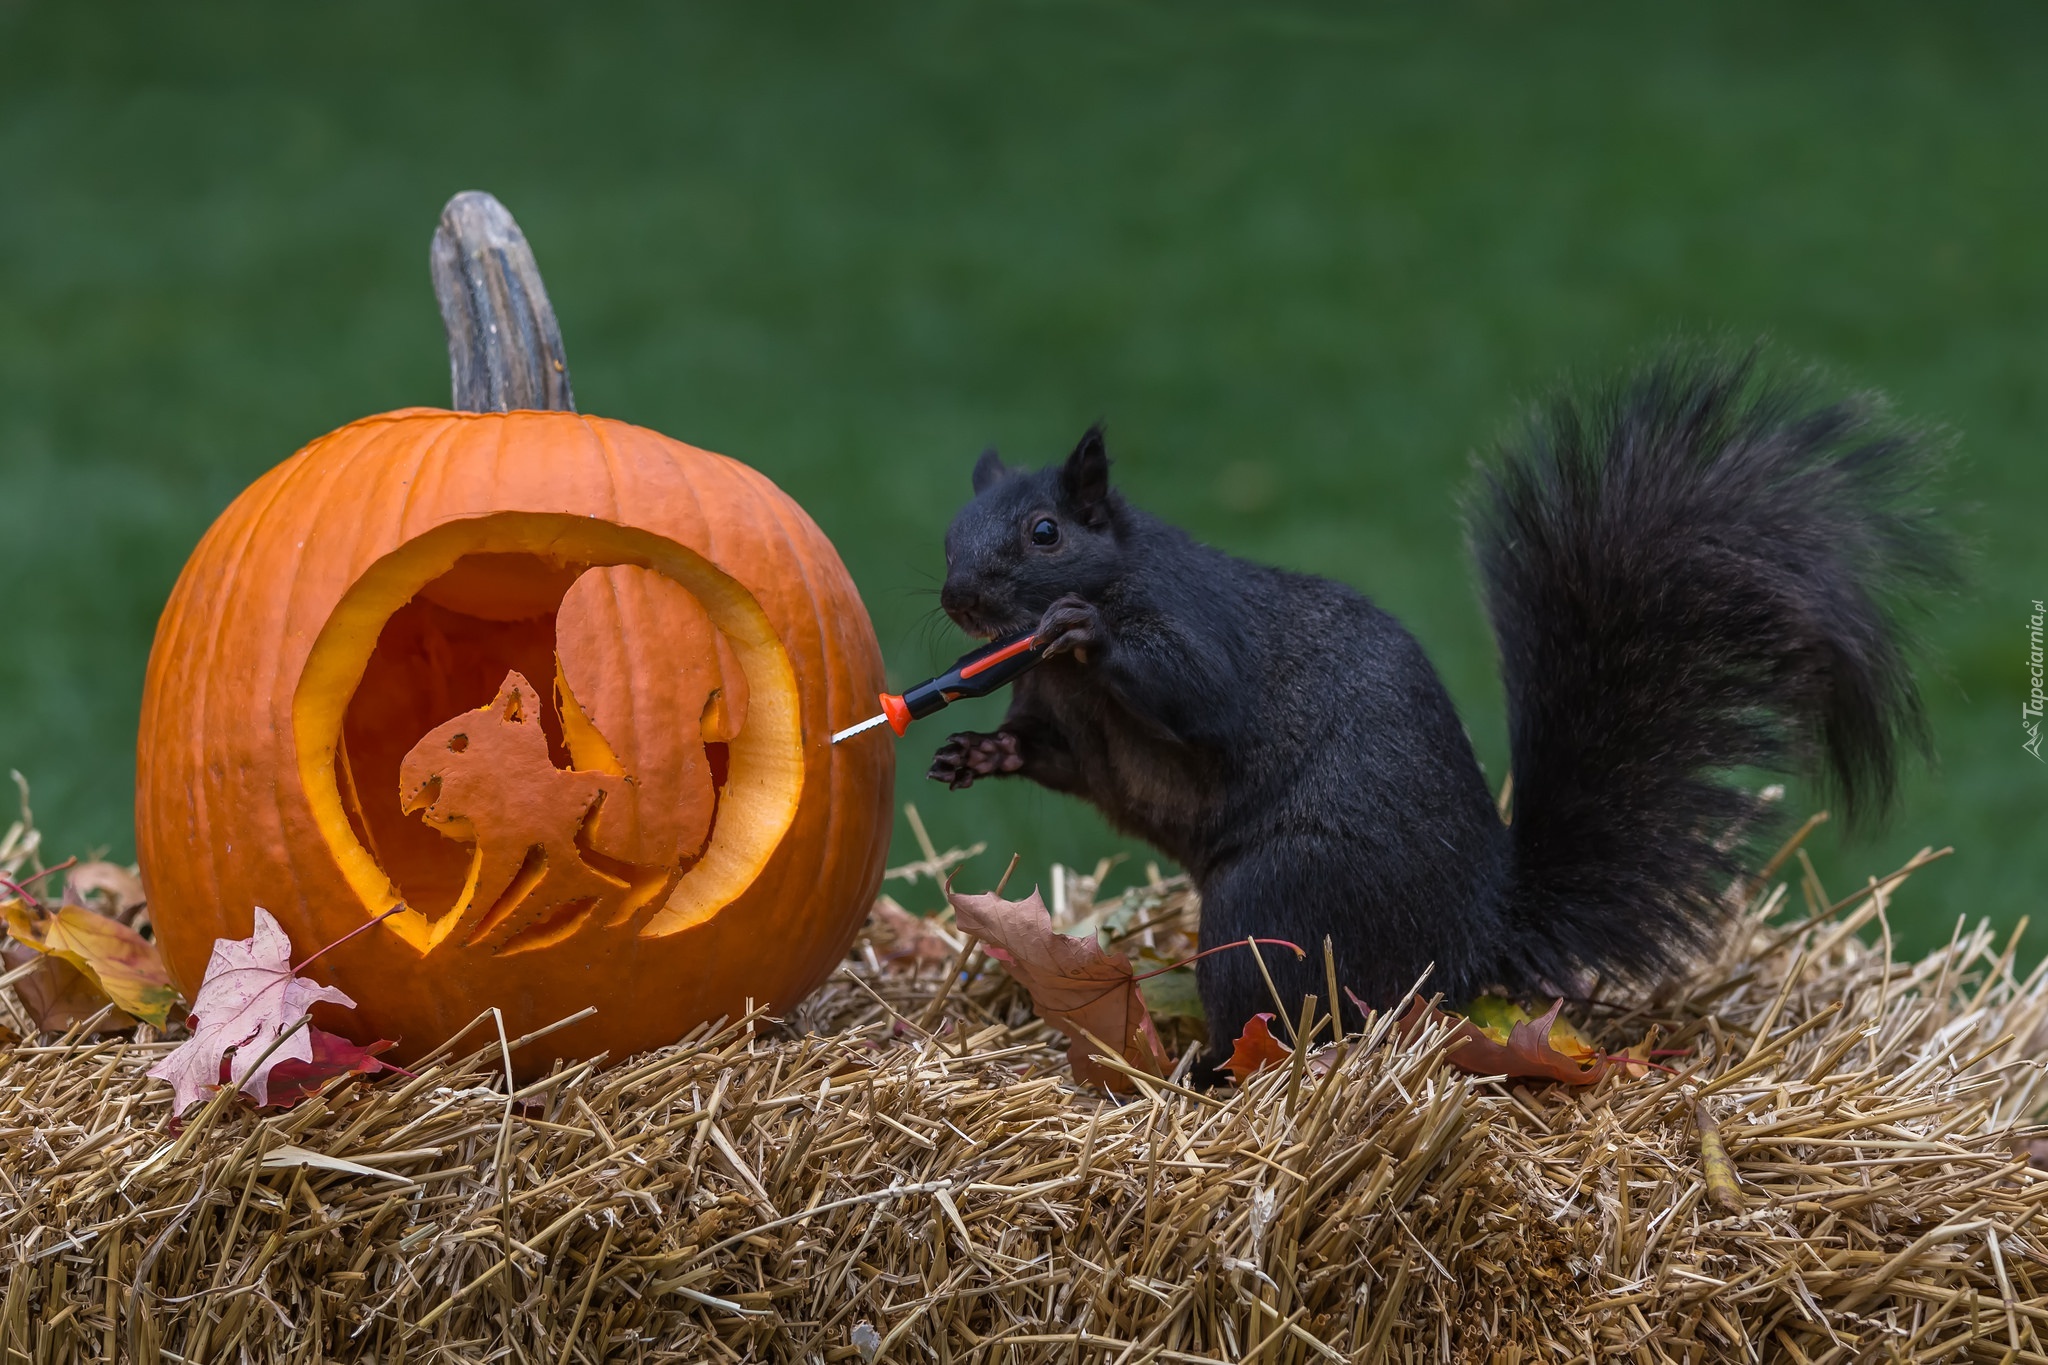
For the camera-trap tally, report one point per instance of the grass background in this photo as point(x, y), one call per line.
point(1304, 259)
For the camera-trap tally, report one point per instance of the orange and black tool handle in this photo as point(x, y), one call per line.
point(975, 675)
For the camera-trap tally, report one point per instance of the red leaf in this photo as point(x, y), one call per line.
point(1256, 1049)
point(333, 1055)
point(1075, 986)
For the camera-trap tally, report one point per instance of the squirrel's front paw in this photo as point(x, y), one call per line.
point(968, 755)
point(1071, 625)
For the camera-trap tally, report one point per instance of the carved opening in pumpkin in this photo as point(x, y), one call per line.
point(523, 836)
point(536, 742)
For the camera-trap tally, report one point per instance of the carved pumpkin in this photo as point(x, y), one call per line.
point(561, 687)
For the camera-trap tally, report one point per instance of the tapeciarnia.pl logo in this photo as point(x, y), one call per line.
point(2030, 712)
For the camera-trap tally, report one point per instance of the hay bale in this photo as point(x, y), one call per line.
point(895, 1175)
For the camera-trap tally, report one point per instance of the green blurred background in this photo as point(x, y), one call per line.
point(1304, 259)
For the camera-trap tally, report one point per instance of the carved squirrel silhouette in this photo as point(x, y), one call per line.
point(486, 778)
point(610, 834)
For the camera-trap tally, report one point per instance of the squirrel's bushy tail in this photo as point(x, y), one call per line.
point(1693, 571)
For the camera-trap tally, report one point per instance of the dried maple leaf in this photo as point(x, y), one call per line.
point(249, 998)
point(1256, 1049)
point(1499, 1038)
point(58, 996)
point(1075, 986)
point(898, 935)
point(333, 1055)
point(120, 964)
point(119, 887)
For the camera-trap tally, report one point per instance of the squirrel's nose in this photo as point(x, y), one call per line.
point(958, 600)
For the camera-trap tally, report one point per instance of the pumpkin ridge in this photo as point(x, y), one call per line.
point(680, 479)
point(614, 474)
point(759, 520)
point(212, 630)
point(430, 452)
point(821, 850)
point(276, 663)
point(292, 473)
point(361, 555)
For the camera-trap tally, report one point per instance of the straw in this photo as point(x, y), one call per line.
point(838, 1187)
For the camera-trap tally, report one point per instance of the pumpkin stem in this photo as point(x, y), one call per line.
point(504, 347)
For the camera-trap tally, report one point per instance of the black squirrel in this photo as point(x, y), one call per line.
point(1696, 569)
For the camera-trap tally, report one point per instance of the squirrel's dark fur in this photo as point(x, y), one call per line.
point(1689, 572)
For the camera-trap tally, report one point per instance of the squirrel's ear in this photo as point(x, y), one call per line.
point(988, 469)
point(1085, 476)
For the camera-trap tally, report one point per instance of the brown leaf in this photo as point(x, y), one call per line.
point(1545, 1047)
point(123, 965)
point(57, 995)
point(118, 888)
point(1256, 1049)
point(898, 935)
point(1075, 986)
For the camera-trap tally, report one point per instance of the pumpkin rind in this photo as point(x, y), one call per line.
point(237, 801)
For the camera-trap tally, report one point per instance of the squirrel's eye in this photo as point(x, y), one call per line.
point(1045, 531)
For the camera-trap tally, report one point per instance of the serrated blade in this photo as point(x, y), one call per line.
point(850, 731)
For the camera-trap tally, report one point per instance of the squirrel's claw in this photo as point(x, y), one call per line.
point(1071, 625)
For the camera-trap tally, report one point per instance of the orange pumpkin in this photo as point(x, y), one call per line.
point(560, 687)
